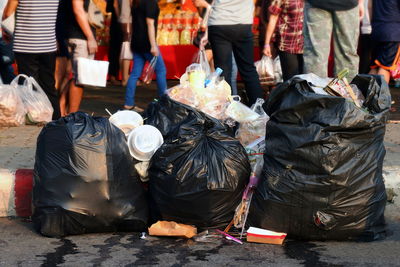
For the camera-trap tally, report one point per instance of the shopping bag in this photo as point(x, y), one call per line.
point(12, 109)
point(126, 52)
point(148, 72)
point(92, 72)
point(37, 104)
point(8, 24)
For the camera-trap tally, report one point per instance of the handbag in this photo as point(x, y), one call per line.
point(92, 72)
point(9, 24)
point(126, 52)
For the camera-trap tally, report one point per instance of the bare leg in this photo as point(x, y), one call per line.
point(374, 71)
point(61, 68)
point(126, 63)
point(385, 74)
point(74, 97)
point(64, 95)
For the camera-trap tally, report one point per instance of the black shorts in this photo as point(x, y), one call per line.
point(386, 55)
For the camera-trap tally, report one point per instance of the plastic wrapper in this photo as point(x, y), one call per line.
point(322, 176)
point(173, 37)
point(37, 104)
point(198, 175)
point(148, 72)
point(12, 109)
point(164, 228)
point(265, 70)
point(84, 179)
point(250, 131)
point(186, 38)
point(162, 37)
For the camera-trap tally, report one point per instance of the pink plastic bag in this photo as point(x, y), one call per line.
point(148, 71)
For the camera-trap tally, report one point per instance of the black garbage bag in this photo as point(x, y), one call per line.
point(167, 115)
point(198, 175)
point(84, 179)
point(322, 176)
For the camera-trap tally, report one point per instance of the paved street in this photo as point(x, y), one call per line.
point(20, 245)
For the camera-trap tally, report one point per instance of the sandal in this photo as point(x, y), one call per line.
point(134, 108)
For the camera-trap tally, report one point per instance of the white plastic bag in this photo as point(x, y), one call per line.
point(240, 112)
point(278, 70)
point(12, 109)
point(92, 72)
point(265, 67)
point(148, 72)
point(250, 131)
point(37, 105)
point(201, 58)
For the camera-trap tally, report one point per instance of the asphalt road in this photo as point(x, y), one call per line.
point(20, 245)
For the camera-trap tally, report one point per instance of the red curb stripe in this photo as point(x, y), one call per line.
point(23, 192)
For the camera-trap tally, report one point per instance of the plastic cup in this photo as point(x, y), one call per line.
point(144, 141)
point(126, 120)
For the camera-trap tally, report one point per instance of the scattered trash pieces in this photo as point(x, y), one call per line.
point(165, 228)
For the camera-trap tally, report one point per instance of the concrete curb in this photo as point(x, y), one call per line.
point(16, 192)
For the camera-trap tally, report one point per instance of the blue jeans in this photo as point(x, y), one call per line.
point(139, 59)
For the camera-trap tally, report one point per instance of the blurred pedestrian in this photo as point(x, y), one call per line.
point(6, 55)
point(386, 32)
point(144, 47)
point(115, 42)
point(35, 43)
point(366, 44)
point(81, 43)
point(323, 20)
point(230, 30)
point(287, 17)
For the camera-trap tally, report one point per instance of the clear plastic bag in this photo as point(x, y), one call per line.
point(250, 131)
point(12, 109)
point(265, 70)
point(201, 58)
point(278, 70)
point(148, 72)
point(36, 102)
point(240, 112)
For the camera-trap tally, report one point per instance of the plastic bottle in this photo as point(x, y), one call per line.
point(213, 77)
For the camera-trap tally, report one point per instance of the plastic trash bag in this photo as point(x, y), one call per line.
point(250, 131)
point(198, 175)
point(84, 179)
point(201, 58)
point(322, 175)
point(265, 69)
point(148, 72)
point(239, 111)
point(37, 104)
point(12, 109)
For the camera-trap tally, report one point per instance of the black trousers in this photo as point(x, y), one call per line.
point(237, 38)
point(41, 67)
point(292, 64)
point(365, 48)
point(114, 50)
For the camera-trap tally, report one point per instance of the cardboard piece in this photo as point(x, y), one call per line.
point(258, 235)
point(164, 228)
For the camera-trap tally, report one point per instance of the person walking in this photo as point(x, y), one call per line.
point(386, 34)
point(339, 19)
point(230, 30)
point(287, 15)
point(35, 43)
point(144, 47)
point(81, 43)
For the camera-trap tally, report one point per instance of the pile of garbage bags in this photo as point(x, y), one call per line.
point(305, 163)
point(322, 175)
point(84, 179)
